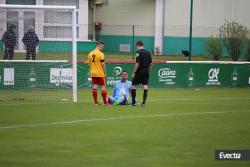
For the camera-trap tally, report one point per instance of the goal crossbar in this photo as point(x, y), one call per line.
point(4, 6)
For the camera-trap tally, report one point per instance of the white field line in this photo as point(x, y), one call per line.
point(2, 103)
point(201, 99)
point(115, 118)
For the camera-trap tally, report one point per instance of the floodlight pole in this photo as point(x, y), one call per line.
point(191, 31)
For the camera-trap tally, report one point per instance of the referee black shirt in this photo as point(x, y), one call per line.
point(143, 57)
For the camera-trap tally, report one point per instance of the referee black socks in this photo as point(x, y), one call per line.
point(145, 95)
point(133, 95)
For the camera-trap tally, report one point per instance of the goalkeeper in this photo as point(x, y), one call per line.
point(121, 91)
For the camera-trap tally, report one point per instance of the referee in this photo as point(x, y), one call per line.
point(141, 72)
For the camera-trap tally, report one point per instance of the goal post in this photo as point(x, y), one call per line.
point(56, 28)
point(74, 55)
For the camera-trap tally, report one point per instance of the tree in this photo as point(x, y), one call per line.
point(233, 35)
point(213, 47)
point(247, 55)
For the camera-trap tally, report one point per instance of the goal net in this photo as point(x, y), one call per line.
point(38, 48)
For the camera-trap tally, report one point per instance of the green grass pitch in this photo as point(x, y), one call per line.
point(177, 127)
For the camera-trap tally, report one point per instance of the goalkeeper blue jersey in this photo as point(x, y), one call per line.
point(122, 89)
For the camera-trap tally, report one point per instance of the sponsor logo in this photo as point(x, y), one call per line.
point(234, 77)
point(9, 76)
point(60, 75)
point(117, 71)
point(232, 154)
point(213, 76)
point(190, 77)
point(32, 78)
point(111, 80)
point(223, 155)
point(167, 75)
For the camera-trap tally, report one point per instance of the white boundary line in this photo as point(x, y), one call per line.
point(201, 99)
point(150, 100)
point(116, 118)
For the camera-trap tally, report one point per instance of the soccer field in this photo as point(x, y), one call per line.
point(177, 127)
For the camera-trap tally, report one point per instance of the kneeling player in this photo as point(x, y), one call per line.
point(121, 91)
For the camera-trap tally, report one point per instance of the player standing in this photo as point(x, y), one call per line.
point(96, 62)
point(141, 72)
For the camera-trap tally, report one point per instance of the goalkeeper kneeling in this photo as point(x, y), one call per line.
point(121, 91)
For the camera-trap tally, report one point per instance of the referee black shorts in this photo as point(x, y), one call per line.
point(141, 77)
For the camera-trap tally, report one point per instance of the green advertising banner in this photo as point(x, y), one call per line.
point(27, 75)
point(31, 75)
point(182, 74)
point(200, 74)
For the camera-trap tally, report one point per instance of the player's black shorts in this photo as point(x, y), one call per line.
point(141, 77)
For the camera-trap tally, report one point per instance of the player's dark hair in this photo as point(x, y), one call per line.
point(99, 42)
point(12, 26)
point(123, 72)
point(139, 43)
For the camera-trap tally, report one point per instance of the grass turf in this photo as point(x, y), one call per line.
point(199, 122)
